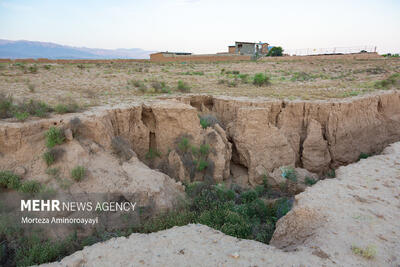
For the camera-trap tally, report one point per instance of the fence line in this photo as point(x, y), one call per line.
point(329, 51)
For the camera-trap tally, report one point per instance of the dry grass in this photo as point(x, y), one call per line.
point(111, 83)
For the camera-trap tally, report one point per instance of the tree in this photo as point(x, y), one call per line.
point(275, 52)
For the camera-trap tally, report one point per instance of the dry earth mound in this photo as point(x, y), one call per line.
point(353, 220)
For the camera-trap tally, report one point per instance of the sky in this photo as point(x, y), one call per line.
point(203, 26)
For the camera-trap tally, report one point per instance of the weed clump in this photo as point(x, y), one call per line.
point(208, 120)
point(261, 79)
point(368, 252)
point(242, 214)
point(363, 156)
point(54, 136)
point(31, 187)
point(309, 181)
point(289, 173)
point(70, 107)
point(152, 154)
point(49, 158)
point(78, 173)
point(9, 180)
point(183, 87)
point(393, 80)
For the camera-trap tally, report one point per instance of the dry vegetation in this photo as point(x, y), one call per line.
point(110, 83)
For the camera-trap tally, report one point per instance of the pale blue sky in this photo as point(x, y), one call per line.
point(203, 26)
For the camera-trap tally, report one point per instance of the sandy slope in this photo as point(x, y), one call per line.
point(361, 208)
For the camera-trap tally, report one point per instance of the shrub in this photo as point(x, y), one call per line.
point(9, 180)
point(232, 83)
point(183, 87)
point(47, 67)
point(244, 78)
point(363, 156)
point(301, 76)
point(208, 120)
point(152, 154)
point(142, 88)
point(204, 123)
point(54, 136)
point(204, 149)
point(389, 82)
point(248, 196)
point(31, 187)
point(33, 69)
point(78, 173)
point(49, 158)
point(234, 72)
point(289, 173)
point(34, 250)
point(282, 207)
point(66, 108)
point(368, 252)
point(331, 173)
point(35, 108)
point(220, 208)
point(184, 144)
point(21, 116)
point(276, 51)
point(309, 181)
point(201, 165)
point(261, 79)
point(6, 106)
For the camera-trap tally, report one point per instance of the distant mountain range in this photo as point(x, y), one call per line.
point(31, 49)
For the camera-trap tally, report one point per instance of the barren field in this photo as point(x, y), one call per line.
point(96, 84)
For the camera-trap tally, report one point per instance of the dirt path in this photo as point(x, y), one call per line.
point(353, 220)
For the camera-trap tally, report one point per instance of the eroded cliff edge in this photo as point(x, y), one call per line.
point(328, 226)
point(255, 136)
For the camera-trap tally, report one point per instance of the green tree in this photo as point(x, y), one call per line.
point(276, 51)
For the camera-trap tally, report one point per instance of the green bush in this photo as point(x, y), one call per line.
point(184, 144)
point(9, 180)
point(248, 196)
point(363, 156)
point(204, 123)
point(31, 187)
point(289, 173)
point(208, 120)
point(261, 79)
point(244, 78)
point(309, 181)
point(48, 157)
point(66, 108)
point(201, 165)
point(331, 173)
point(21, 116)
point(33, 69)
point(276, 51)
point(393, 80)
point(54, 136)
point(183, 87)
point(78, 173)
point(6, 106)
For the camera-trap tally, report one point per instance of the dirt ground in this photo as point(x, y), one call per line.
point(111, 83)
